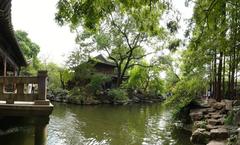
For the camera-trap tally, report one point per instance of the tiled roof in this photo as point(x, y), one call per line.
point(8, 39)
point(101, 59)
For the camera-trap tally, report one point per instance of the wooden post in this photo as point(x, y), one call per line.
point(20, 89)
point(42, 85)
point(42, 89)
point(4, 72)
point(41, 130)
point(40, 137)
point(14, 83)
point(5, 66)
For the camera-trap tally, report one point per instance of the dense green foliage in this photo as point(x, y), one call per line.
point(212, 54)
point(215, 38)
point(185, 92)
point(30, 51)
point(145, 80)
point(97, 81)
point(229, 119)
point(118, 95)
point(126, 31)
point(91, 13)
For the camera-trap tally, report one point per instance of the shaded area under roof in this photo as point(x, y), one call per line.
point(7, 36)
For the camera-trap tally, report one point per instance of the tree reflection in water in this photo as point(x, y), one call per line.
point(98, 125)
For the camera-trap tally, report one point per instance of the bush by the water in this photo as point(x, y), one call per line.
point(184, 93)
point(96, 82)
point(118, 95)
point(77, 95)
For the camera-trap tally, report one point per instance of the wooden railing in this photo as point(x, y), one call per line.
point(27, 89)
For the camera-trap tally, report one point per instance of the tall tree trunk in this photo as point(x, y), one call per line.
point(62, 81)
point(119, 79)
point(233, 75)
point(236, 70)
point(220, 65)
point(223, 76)
point(211, 80)
point(219, 78)
point(229, 77)
point(215, 75)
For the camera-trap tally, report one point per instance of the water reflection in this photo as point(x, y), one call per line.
point(23, 130)
point(104, 124)
point(98, 125)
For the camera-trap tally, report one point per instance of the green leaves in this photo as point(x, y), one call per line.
point(102, 41)
point(96, 82)
point(29, 48)
point(90, 13)
point(185, 92)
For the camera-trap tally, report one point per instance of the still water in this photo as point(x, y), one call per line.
point(138, 124)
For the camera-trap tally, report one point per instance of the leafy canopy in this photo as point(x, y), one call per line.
point(30, 51)
point(90, 13)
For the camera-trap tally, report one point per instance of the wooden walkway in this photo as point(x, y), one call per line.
point(24, 109)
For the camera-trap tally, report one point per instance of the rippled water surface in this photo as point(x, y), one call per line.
point(102, 125)
point(116, 125)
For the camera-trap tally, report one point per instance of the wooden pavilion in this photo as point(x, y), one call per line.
point(15, 100)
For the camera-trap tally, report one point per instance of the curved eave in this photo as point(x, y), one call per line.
point(6, 29)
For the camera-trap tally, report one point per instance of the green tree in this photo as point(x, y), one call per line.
point(215, 37)
point(91, 13)
point(30, 51)
point(65, 75)
point(53, 76)
point(120, 29)
point(121, 40)
point(146, 79)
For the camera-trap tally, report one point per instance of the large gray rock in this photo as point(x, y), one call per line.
point(219, 134)
point(229, 104)
point(196, 114)
point(211, 101)
point(200, 136)
point(219, 105)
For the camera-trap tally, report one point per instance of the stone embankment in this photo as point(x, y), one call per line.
point(209, 122)
point(65, 97)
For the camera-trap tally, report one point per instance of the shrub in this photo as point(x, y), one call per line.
point(229, 119)
point(77, 95)
point(96, 82)
point(118, 95)
point(184, 93)
point(59, 91)
point(200, 124)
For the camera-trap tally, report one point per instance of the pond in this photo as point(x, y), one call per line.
point(136, 124)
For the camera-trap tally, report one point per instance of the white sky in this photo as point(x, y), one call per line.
point(36, 17)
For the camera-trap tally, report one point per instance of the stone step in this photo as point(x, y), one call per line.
point(209, 110)
point(210, 127)
point(219, 134)
point(215, 121)
point(219, 105)
point(214, 142)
